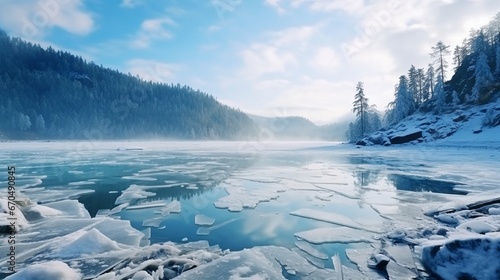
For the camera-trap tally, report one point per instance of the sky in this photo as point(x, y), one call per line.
point(266, 57)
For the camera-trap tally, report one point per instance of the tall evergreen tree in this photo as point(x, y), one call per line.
point(483, 77)
point(439, 96)
point(360, 106)
point(457, 57)
point(413, 88)
point(421, 85)
point(439, 52)
point(497, 58)
point(430, 82)
point(403, 101)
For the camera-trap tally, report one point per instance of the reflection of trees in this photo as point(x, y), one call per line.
point(422, 184)
point(174, 193)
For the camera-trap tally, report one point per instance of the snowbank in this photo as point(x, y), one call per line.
point(53, 270)
point(474, 257)
point(474, 126)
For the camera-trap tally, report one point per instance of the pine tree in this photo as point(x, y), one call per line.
point(403, 101)
point(457, 57)
point(483, 77)
point(412, 88)
point(440, 51)
point(430, 83)
point(360, 106)
point(440, 97)
point(455, 98)
point(497, 57)
point(421, 85)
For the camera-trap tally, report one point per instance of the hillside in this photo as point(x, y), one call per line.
point(467, 126)
point(49, 94)
point(464, 109)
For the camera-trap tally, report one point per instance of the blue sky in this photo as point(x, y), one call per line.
point(266, 57)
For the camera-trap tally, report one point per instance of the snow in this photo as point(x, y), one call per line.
point(44, 211)
point(494, 211)
point(478, 226)
point(134, 192)
point(470, 257)
point(53, 270)
point(247, 264)
point(89, 242)
point(21, 221)
point(203, 220)
point(457, 127)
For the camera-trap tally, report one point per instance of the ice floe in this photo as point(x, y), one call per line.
point(333, 218)
point(203, 220)
point(335, 235)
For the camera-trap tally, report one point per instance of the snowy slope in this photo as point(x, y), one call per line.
point(463, 126)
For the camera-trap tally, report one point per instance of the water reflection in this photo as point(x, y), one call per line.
point(422, 184)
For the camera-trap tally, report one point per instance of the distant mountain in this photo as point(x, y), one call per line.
point(299, 128)
point(49, 94)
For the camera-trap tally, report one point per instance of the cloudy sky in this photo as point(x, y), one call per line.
point(267, 57)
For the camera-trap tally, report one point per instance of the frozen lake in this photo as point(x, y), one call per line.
point(317, 199)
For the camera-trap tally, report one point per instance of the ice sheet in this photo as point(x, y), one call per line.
point(333, 218)
point(335, 235)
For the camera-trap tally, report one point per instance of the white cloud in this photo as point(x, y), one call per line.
point(326, 59)
point(262, 59)
point(349, 6)
point(33, 18)
point(131, 3)
point(276, 5)
point(151, 70)
point(152, 30)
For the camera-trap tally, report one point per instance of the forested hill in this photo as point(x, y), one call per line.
point(48, 94)
point(430, 107)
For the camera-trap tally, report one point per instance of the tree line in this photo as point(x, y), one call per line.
point(49, 94)
point(475, 81)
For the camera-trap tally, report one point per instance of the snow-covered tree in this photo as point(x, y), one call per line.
point(439, 52)
point(421, 85)
point(455, 99)
point(360, 105)
point(483, 76)
point(40, 123)
point(497, 58)
point(429, 84)
point(439, 96)
point(403, 102)
point(413, 86)
point(457, 57)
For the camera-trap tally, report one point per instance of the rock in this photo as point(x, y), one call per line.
point(460, 118)
point(381, 261)
point(468, 258)
point(361, 142)
point(378, 138)
point(402, 138)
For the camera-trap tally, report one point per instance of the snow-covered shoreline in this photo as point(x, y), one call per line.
point(461, 127)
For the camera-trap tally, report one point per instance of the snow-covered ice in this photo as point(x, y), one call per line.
point(203, 220)
point(335, 235)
